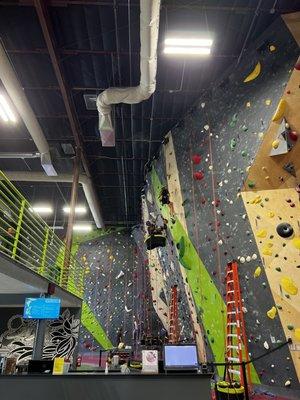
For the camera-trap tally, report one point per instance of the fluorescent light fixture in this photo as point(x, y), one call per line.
point(78, 210)
point(187, 50)
point(3, 115)
point(40, 209)
point(82, 228)
point(7, 110)
point(196, 42)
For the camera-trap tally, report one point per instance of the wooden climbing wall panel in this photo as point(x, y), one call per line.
point(293, 23)
point(173, 181)
point(176, 198)
point(267, 172)
point(156, 277)
point(280, 256)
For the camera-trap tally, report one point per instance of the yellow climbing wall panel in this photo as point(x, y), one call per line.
point(176, 198)
point(281, 256)
point(266, 172)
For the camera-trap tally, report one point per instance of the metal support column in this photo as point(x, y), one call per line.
point(69, 234)
point(39, 339)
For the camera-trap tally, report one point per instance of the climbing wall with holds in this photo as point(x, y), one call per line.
point(213, 155)
point(115, 287)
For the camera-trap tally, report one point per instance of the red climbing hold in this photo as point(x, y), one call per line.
point(198, 176)
point(293, 135)
point(196, 159)
point(297, 65)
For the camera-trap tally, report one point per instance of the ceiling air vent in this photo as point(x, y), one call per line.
point(68, 149)
point(90, 101)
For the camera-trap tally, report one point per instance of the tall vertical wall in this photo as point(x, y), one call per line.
point(212, 225)
point(116, 290)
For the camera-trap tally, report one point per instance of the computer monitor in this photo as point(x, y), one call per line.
point(40, 366)
point(180, 357)
point(41, 308)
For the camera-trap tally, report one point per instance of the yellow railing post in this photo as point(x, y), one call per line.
point(45, 247)
point(18, 229)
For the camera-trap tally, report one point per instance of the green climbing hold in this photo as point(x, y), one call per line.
point(244, 127)
point(233, 121)
point(244, 153)
point(290, 327)
point(232, 144)
point(278, 269)
point(251, 184)
point(279, 307)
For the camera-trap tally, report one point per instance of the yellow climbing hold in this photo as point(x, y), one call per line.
point(256, 200)
point(289, 285)
point(297, 334)
point(254, 74)
point(272, 48)
point(266, 251)
point(275, 144)
point(268, 102)
point(279, 113)
point(296, 242)
point(271, 214)
point(272, 312)
point(257, 272)
point(261, 233)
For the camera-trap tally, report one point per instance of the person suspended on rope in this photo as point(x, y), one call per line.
point(157, 232)
point(164, 198)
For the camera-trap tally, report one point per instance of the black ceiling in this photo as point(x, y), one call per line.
point(98, 45)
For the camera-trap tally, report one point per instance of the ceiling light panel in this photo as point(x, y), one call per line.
point(6, 109)
point(187, 50)
point(195, 42)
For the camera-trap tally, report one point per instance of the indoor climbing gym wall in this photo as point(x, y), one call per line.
point(116, 288)
point(230, 167)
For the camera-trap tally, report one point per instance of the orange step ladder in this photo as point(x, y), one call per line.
point(236, 341)
point(173, 317)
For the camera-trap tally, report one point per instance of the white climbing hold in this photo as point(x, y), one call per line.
point(218, 211)
point(230, 202)
point(248, 258)
point(206, 127)
point(127, 309)
point(287, 383)
point(210, 167)
point(221, 184)
point(120, 275)
point(220, 242)
point(242, 260)
point(202, 105)
point(266, 345)
point(244, 216)
point(229, 171)
point(225, 180)
point(272, 366)
point(254, 256)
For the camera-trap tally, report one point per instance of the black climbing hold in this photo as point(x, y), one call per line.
point(285, 230)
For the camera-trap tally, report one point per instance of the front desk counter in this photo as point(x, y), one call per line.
point(81, 386)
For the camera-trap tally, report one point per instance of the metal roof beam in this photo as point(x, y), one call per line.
point(47, 29)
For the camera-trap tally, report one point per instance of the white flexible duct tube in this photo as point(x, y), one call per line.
point(149, 25)
point(84, 180)
point(17, 95)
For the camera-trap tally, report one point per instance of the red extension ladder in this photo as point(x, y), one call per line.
point(236, 341)
point(173, 317)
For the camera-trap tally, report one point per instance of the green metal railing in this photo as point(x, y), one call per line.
point(27, 239)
